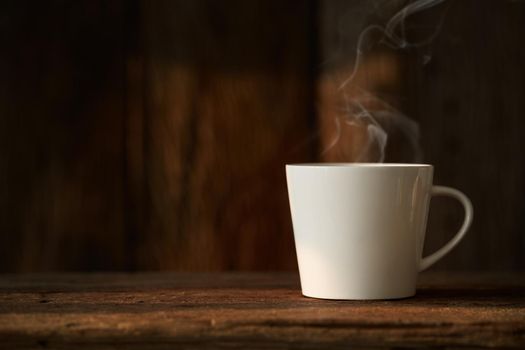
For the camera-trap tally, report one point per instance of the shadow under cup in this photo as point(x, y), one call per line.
point(359, 228)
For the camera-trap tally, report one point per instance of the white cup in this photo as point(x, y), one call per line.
point(359, 228)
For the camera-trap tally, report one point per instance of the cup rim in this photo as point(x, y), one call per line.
point(360, 165)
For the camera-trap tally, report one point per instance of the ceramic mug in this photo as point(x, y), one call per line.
point(359, 228)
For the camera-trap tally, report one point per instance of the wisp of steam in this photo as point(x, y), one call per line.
point(393, 35)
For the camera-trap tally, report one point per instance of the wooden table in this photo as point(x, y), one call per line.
point(253, 310)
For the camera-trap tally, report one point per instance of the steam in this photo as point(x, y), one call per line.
point(384, 116)
point(398, 20)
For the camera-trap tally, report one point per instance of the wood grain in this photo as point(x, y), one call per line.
point(144, 135)
point(228, 96)
point(470, 105)
point(464, 89)
point(61, 188)
point(152, 135)
point(254, 310)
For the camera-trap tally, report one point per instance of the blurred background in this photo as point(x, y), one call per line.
point(152, 135)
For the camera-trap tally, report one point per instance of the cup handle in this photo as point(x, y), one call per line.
point(469, 213)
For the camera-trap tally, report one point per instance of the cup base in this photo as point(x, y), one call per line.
point(359, 298)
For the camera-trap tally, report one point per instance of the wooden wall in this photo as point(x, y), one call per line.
point(470, 103)
point(227, 95)
point(62, 112)
point(153, 134)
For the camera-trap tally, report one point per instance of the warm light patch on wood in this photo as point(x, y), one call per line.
point(344, 137)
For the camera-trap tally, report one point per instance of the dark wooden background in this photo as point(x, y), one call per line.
point(140, 135)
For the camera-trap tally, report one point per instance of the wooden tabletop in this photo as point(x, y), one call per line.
point(254, 310)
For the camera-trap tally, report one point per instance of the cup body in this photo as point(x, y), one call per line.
point(359, 228)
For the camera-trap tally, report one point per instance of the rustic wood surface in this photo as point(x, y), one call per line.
point(465, 90)
point(154, 128)
point(254, 310)
point(227, 98)
point(61, 151)
point(152, 135)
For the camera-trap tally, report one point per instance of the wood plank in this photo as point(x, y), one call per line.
point(465, 90)
point(152, 135)
point(470, 103)
point(61, 178)
point(259, 310)
point(228, 97)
